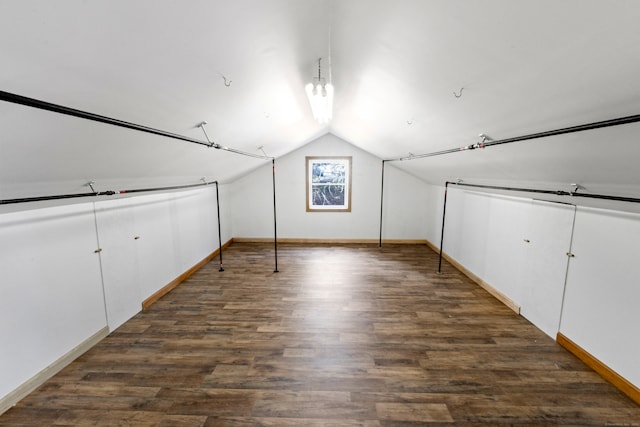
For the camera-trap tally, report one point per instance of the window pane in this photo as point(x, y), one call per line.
point(328, 195)
point(329, 172)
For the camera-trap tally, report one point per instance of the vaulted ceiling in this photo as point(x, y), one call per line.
point(410, 76)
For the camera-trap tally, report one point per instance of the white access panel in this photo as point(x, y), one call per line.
point(51, 293)
point(154, 228)
point(505, 251)
point(120, 265)
point(547, 241)
point(600, 311)
point(172, 233)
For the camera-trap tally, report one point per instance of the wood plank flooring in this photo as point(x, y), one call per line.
point(349, 335)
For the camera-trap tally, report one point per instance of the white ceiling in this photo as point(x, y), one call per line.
point(519, 66)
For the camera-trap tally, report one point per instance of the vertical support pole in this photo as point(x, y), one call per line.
point(444, 213)
point(381, 203)
point(275, 224)
point(219, 231)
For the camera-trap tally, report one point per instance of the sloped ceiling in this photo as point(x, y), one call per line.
point(410, 76)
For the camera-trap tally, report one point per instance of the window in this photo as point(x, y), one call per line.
point(328, 184)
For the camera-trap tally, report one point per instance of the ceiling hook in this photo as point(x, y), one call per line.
point(458, 95)
point(484, 138)
point(227, 82)
point(576, 187)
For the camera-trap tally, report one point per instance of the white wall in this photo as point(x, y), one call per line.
point(603, 289)
point(56, 292)
point(485, 234)
point(51, 292)
point(595, 307)
point(405, 202)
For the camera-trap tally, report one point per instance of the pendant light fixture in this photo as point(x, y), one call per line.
point(320, 95)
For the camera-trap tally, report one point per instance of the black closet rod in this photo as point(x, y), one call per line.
point(555, 132)
point(100, 193)
point(574, 193)
point(42, 105)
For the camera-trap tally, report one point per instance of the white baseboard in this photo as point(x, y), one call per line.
point(38, 379)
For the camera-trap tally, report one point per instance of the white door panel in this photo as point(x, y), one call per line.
point(120, 270)
point(547, 242)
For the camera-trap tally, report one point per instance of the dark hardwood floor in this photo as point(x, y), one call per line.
point(346, 335)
